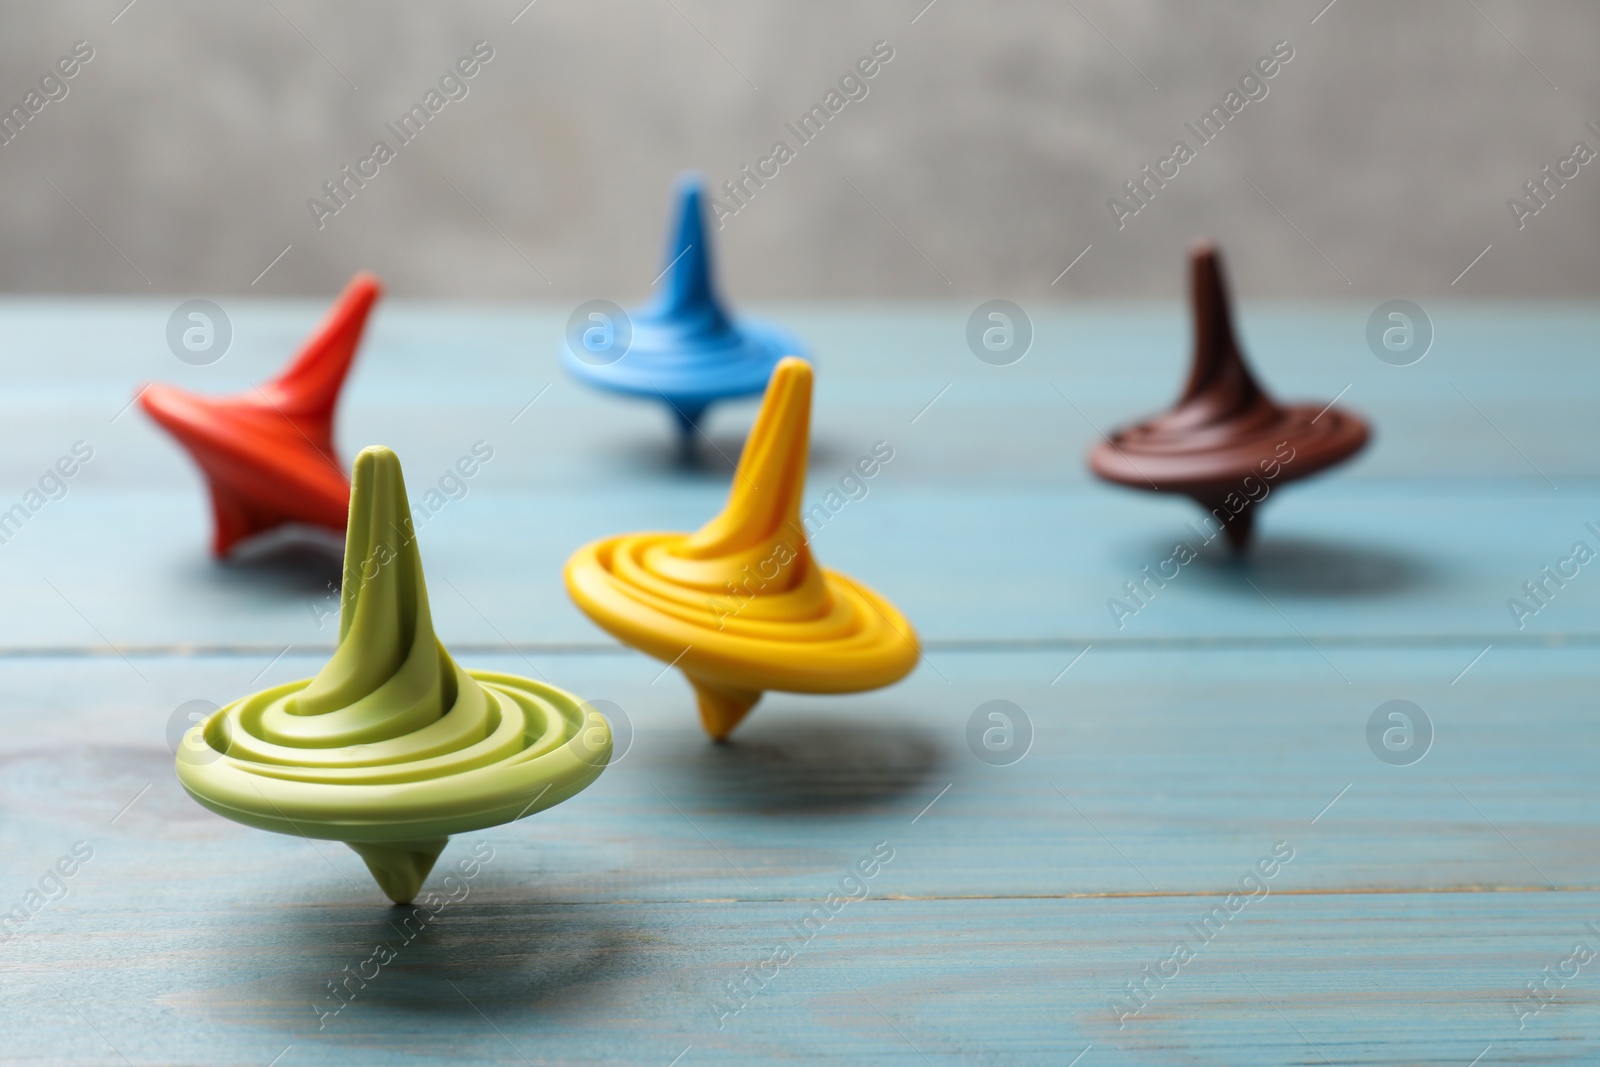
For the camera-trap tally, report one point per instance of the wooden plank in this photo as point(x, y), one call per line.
point(433, 378)
point(1218, 720)
point(1345, 563)
point(237, 931)
point(510, 976)
point(1149, 771)
point(986, 487)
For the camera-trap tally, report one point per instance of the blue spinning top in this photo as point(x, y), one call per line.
point(683, 347)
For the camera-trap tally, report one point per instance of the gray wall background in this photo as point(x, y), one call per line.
point(1387, 148)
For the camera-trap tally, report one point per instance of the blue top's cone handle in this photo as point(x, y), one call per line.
point(688, 296)
point(689, 292)
point(684, 347)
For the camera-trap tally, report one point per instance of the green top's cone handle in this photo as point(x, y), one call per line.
point(392, 747)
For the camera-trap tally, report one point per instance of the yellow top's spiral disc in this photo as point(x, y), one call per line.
point(392, 747)
point(740, 605)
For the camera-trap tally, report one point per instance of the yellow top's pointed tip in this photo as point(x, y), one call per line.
point(788, 398)
point(765, 498)
point(792, 369)
point(791, 376)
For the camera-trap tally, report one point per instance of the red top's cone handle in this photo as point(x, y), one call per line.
point(268, 454)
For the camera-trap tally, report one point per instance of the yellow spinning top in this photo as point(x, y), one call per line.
point(740, 606)
point(392, 747)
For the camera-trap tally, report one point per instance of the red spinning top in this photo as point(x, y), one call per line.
point(268, 454)
point(1226, 444)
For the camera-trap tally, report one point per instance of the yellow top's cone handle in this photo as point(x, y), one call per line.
point(759, 517)
point(392, 747)
point(741, 606)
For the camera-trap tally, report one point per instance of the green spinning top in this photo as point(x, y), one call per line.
point(392, 747)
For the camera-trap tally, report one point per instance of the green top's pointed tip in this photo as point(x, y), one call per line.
point(380, 529)
point(375, 465)
point(384, 621)
point(376, 451)
point(379, 510)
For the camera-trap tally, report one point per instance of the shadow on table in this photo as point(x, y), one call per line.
point(512, 957)
point(712, 457)
point(809, 764)
point(284, 568)
point(1311, 568)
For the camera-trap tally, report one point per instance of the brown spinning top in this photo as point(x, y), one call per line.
point(1226, 443)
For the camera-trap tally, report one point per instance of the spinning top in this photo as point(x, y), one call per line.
point(686, 348)
point(740, 606)
point(392, 747)
point(1226, 443)
point(268, 454)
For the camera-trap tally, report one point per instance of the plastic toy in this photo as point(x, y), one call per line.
point(392, 747)
point(1226, 444)
point(740, 606)
point(268, 454)
point(684, 348)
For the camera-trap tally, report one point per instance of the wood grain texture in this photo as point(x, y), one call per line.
point(1338, 563)
point(1227, 715)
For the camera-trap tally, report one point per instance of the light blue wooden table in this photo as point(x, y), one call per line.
point(1225, 719)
